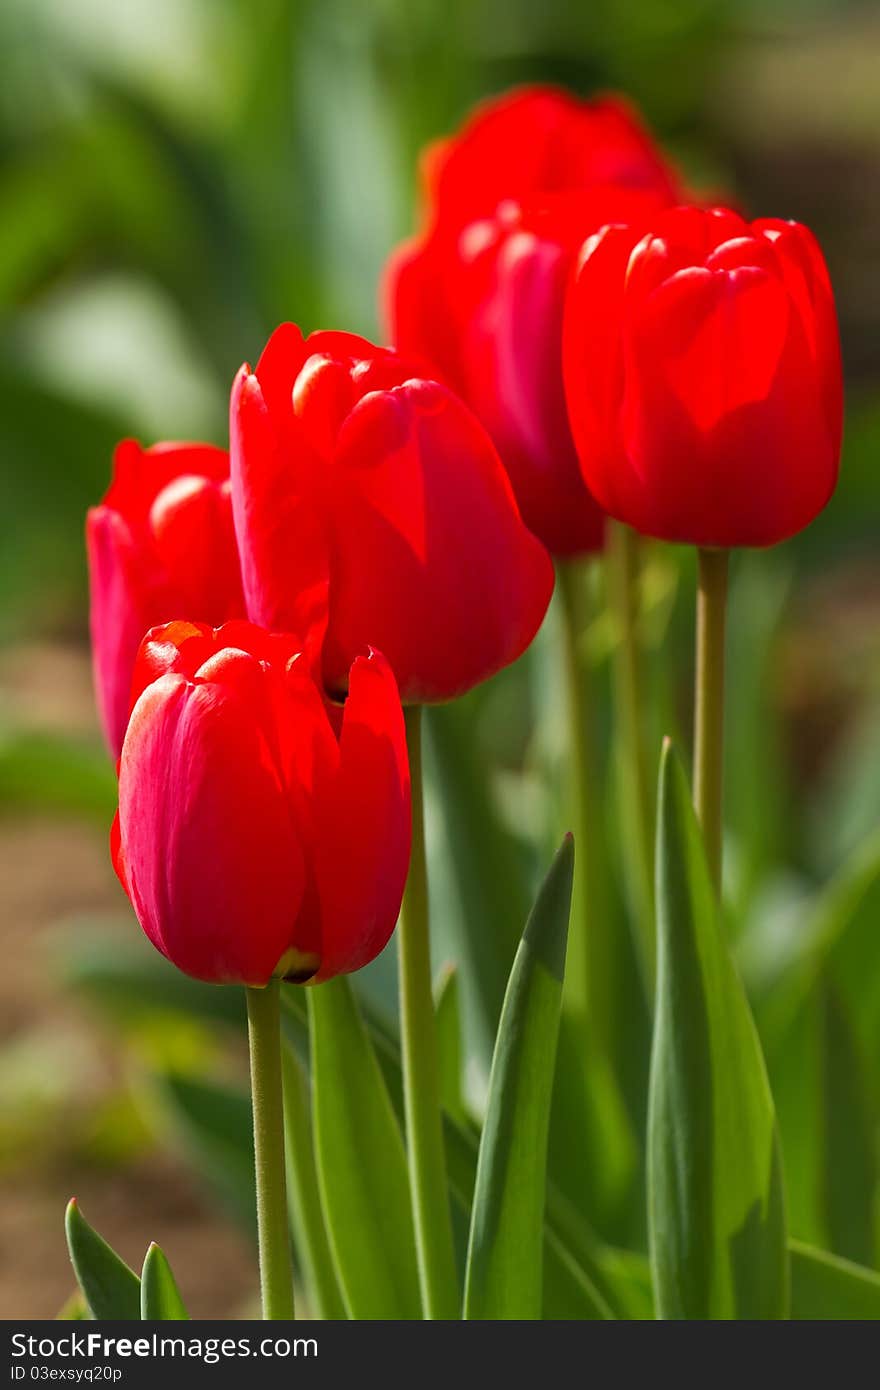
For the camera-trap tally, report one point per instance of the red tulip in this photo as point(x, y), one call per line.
point(479, 296)
point(480, 293)
point(703, 377)
point(161, 543)
point(261, 831)
point(371, 499)
point(485, 310)
point(539, 140)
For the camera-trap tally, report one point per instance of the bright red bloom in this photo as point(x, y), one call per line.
point(539, 140)
point(160, 544)
point(703, 376)
point(480, 294)
point(261, 830)
point(372, 500)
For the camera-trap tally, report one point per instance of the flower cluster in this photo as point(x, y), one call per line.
point(572, 340)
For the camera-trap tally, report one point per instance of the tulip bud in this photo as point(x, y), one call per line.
point(160, 543)
point(703, 377)
point(479, 295)
point(261, 831)
point(371, 499)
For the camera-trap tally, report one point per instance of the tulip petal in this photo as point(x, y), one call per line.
point(512, 351)
point(212, 859)
point(593, 363)
point(362, 848)
point(418, 501)
point(125, 595)
point(281, 538)
point(194, 540)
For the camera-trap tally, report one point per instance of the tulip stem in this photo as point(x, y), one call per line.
point(589, 964)
point(264, 1032)
point(623, 571)
point(709, 703)
point(421, 1084)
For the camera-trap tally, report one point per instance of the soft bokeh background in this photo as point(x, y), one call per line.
point(176, 178)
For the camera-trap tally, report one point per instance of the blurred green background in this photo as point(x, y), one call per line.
point(176, 178)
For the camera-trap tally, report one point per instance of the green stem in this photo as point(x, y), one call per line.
point(421, 1077)
point(589, 962)
point(307, 1220)
point(623, 569)
point(709, 703)
point(264, 1031)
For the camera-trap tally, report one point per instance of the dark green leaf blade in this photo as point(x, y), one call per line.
point(211, 1124)
point(849, 1144)
point(448, 1011)
point(111, 1289)
point(504, 1268)
point(827, 1288)
point(716, 1206)
point(160, 1296)
point(362, 1169)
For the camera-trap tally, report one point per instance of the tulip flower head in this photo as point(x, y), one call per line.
point(703, 376)
point(161, 543)
point(479, 295)
point(370, 502)
point(261, 831)
point(539, 139)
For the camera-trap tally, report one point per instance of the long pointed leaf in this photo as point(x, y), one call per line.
point(504, 1270)
point(160, 1296)
point(306, 1218)
point(446, 1007)
point(110, 1288)
point(849, 1144)
point(362, 1169)
point(716, 1208)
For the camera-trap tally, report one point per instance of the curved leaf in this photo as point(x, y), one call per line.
point(110, 1288)
point(362, 1171)
point(715, 1199)
point(306, 1218)
point(826, 1288)
point(504, 1268)
point(160, 1296)
point(446, 1006)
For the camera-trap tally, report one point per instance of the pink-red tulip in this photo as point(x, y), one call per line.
point(703, 376)
point(261, 831)
point(160, 544)
point(370, 500)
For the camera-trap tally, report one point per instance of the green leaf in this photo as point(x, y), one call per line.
point(311, 1245)
point(485, 864)
point(446, 1005)
point(212, 1125)
point(715, 1200)
point(582, 1276)
point(362, 1170)
point(504, 1268)
point(850, 1149)
point(160, 1296)
point(110, 1288)
point(817, 1002)
point(754, 767)
point(826, 1288)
